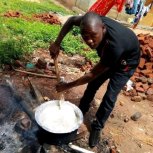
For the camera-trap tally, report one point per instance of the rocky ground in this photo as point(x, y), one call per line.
point(120, 132)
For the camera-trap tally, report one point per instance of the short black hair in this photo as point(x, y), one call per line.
point(91, 19)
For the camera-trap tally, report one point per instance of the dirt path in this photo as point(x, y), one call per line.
point(136, 134)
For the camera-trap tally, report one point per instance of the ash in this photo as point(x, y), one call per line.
point(9, 141)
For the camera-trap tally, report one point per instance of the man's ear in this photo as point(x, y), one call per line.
point(104, 29)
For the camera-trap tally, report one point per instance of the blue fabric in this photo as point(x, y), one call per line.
point(132, 10)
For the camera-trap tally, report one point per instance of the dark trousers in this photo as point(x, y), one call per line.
point(118, 80)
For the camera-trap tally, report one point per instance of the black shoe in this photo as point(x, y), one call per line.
point(94, 137)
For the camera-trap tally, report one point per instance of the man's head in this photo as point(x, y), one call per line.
point(92, 29)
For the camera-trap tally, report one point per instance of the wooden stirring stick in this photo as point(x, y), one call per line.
point(61, 96)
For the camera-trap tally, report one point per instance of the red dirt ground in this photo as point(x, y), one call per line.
point(136, 134)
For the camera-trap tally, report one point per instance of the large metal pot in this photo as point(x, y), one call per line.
point(58, 125)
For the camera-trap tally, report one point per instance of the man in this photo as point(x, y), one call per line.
point(118, 49)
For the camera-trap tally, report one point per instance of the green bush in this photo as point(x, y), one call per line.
point(11, 49)
point(91, 55)
point(76, 31)
point(21, 36)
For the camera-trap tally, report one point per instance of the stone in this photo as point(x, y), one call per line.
point(136, 98)
point(46, 98)
point(126, 93)
point(150, 75)
point(121, 103)
point(139, 89)
point(41, 63)
point(133, 78)
point(25, 123)
point(149, 91)
point(112, 115)
point(126, 119)
point(142, 95)
point(133, 93)
point(145, 72)
point(149, 65)
point(136, 116)
point(142, 63)
point(150, 80)
point(143, 79)
point(150, 98)
point(136, 74)
point(151, 44)
point(149, 52)
point(137, 70)
point(145, 86)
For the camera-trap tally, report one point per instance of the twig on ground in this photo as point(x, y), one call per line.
point(36, 74)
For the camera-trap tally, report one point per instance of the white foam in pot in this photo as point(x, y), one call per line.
point(65, 119)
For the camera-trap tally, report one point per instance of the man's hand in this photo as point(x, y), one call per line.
point(62, 86)
point(99, 69)
point(54, 50)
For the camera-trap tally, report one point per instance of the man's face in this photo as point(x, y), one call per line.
point(92, 36)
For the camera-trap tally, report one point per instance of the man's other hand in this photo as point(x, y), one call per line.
point(54, 50)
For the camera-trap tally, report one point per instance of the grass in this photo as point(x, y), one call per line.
point(20, 36)
point(28, 8)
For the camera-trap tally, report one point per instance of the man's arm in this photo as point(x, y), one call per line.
point(55, 47)
point(94, 73)
point(74, 20)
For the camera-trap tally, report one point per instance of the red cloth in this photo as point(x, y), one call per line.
point(102, 7)
point(120, 4)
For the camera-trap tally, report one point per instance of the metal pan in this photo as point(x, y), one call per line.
point(58, 125)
